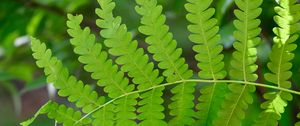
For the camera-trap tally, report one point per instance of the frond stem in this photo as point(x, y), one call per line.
point(192, 80)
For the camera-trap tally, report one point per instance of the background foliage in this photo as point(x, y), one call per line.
point(23, 88)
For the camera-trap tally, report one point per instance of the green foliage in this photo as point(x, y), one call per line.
point(280, 61)
point(62, 114)
point(134, 61)
point(243, 62)
point(164, 50)
point(68, 86)
point(19, 20)
point(210, 61)
point(107, 75)
point(134, 87)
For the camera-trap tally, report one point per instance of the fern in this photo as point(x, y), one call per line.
point(163, 47)
point(205, 35)
point(62, 114)
point(68, 86)
point(137, 99)
point(108, 75)
point(280, 61)
point(243, 62)
point(134, 61)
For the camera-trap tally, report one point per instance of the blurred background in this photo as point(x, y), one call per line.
point(22, 85)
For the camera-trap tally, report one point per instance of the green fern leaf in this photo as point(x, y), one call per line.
point(114, 82)
point(164, 50)
point(243, 63)
point(205, 36)
point(105, 116)
point(68, 86)
point(64, 115)
point(61, 114)
point(280, 62)
point(134, 61)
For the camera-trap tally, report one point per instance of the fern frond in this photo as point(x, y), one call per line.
point(68, 85)
point(137, 99)
point(104, 116)
point(108, 76)
point(134, 61)
point(280, 61)
point(62, 114)
point(163, 47)
point(243, 62)
point(205, 35)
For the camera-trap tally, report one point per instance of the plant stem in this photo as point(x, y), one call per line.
point(191, 80)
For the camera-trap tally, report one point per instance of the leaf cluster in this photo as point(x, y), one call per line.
point(137, 99)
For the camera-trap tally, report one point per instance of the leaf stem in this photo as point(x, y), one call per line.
point(191, 80)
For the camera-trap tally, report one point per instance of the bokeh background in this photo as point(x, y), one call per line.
point(22, 85)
